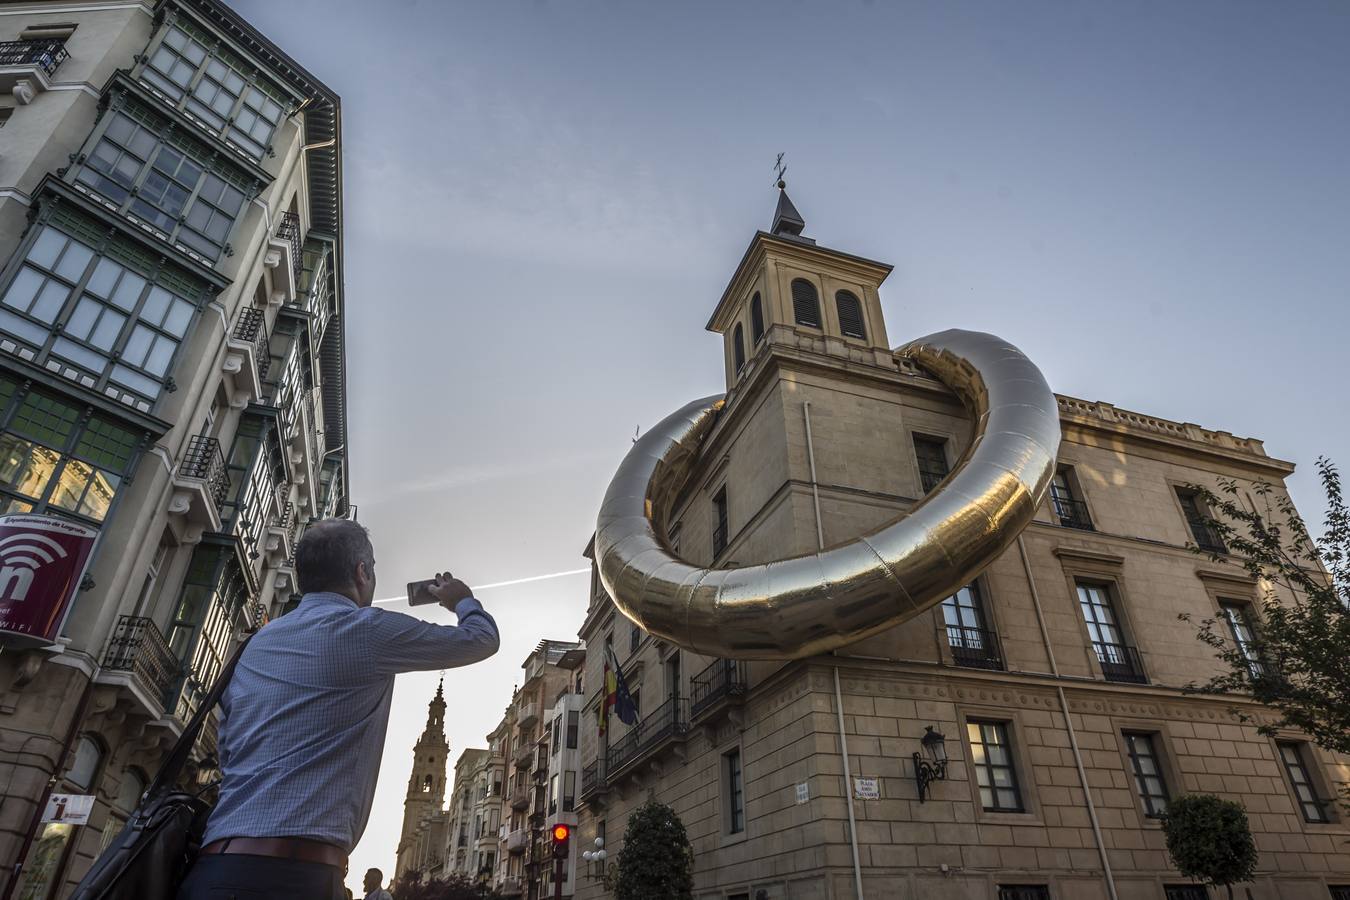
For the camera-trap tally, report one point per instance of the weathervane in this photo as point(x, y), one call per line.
point(781, 169)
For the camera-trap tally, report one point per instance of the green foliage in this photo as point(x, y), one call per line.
point(1210, 840)
point(411, 886)
point(656, 862)
point(1303, 632)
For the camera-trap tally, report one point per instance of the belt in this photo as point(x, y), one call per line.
point(302, 849)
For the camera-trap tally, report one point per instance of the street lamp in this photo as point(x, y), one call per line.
point(596, 856)
point(934, 768)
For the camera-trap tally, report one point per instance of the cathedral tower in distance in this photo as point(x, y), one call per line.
point(426, 784)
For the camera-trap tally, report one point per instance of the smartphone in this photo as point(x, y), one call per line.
point(418, 595)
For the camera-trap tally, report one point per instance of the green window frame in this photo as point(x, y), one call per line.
point(215, 87)
point(158, 178)
point(60, 458)
point(92, 315)
point(210, 609)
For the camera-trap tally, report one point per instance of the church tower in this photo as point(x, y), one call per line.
point(426, 785)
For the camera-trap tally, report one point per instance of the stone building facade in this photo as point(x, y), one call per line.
point(1056, 677)
point(171, 374)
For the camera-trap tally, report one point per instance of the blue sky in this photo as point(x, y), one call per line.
point(544, 201)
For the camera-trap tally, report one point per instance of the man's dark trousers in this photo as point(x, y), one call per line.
point(239, 876)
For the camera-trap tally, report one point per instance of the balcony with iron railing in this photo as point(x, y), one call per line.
point(201, 483)
point(667, 724)
point(593, 782)
point(1206, 537)
point(974, 648)
point(1071, 513)
point(26, 66)
point(1120, 662)
point(139, 652)
point(285, 257)
point(520, 798)
point(720, 684)
point(248, 357)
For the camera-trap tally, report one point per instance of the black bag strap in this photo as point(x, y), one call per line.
point(178, 756)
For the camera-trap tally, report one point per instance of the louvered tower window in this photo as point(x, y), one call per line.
point(850, 315)
point(738, 346)
point(805, 303)
point(756, 320)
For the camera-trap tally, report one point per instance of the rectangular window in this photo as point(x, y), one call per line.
point(1148, 776)
point(932, 456)
point(569, 791)
point(552, 794)
point(112, 329)
point(1244, 637)
point(734, 792)
point(53, 462)
point(1071, 511)
point(1023, 892)
point(1340, 891)
point(991, 755)
point(573, 725)
point(1119, 662)
point(157, 181)
point(1300, 778)
point(1185, 892)
point(720, 521)
point(972, 643)
point(675, 539)
point(1197, 519)
point(217, 88)
point(634, 638)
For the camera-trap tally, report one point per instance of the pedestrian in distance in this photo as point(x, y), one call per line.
point(303, 722)
point(375, 878)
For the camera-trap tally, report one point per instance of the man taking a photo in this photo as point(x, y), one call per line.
point(303, 722)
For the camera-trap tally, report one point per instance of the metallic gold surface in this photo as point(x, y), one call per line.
point(821, 601)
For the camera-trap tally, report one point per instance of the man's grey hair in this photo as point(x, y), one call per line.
point(328, 554)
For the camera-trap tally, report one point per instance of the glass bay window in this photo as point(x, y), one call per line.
point(98, 310)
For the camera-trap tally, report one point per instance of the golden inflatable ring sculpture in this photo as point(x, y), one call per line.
point(821, 601)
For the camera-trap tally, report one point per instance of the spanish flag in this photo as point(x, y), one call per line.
point(617, 697)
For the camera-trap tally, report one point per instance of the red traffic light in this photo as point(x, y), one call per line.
point(561, 833)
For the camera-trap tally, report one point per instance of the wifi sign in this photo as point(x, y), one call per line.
point(42, 560)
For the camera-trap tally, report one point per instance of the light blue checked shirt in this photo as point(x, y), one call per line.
point(303, 720)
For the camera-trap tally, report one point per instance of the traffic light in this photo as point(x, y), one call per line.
point(562, 835)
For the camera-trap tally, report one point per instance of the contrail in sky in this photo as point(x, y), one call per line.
point(497, 584)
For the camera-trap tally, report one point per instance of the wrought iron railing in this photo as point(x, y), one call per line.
point(724, 679)
point(289, 231)
point(1072, 513)
point(251, 328)
point(1120, 662)
point(930, 478)
point(204, 460)
point(719, 538)
point(591, 779)
point(1206, 538)
point(45, 54)
point(974, 648)
point(668, 721)
point(138, 647)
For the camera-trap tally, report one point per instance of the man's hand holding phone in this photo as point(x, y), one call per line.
point(448, 590)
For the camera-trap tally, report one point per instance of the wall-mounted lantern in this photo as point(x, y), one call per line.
point(931, 765)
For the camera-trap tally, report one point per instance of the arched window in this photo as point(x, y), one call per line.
point(756, 319)
point(738, 346)
point(850, 315)
point(426, 785)
point(805, 303)
point(82, 770)
point(129, 792)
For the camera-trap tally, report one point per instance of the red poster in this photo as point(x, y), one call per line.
point(42, 560)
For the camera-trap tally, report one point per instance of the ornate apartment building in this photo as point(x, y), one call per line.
point(171, 375)
point(1055, 677)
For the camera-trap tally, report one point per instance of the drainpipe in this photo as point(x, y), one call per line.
point(1068, 723)
point(838, 695)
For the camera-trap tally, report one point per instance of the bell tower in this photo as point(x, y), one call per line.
point(426, 785)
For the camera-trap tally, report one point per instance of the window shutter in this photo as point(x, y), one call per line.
point(850, 315)
point(756, 319)
point(805, 303)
